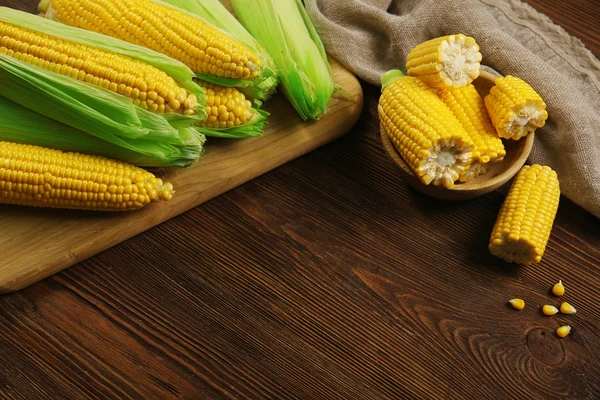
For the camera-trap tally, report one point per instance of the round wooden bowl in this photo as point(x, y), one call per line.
point(497, 175)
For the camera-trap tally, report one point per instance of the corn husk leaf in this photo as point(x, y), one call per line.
point(21, 125)
point(286, 32)
point(215, 13)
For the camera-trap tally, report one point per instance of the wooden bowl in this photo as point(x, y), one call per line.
point(497, 175)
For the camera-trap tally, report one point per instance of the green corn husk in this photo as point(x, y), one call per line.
point(92, 109)
point(21, 125)
point(261, 87)
point(284, 29)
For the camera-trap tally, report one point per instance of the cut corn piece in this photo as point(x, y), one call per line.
point(146, 85)
point(207, 50)
point(524, 223)
point(515, 108)
point(468, 106)
point(444, 62)
point(423, 129)
point(41, 177)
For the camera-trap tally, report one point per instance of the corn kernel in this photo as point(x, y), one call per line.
point(566, 308)
point(549, 310)
point(518, 304)
point(558, 288)
point(563, 331)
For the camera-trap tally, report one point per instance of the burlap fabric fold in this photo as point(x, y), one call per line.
point(372, 36)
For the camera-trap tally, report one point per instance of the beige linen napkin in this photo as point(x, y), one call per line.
point(372, 36)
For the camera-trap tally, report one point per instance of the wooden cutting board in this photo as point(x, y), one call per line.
point(36, 243)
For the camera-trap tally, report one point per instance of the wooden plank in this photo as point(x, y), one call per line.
point(36, 243)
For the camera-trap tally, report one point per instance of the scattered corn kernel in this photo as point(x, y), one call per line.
point(566, 308)
point(558, 289)
point(519, 304)
point(563, 331)
point(549, 310)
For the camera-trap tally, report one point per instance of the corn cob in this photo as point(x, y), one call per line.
point(468, 106)
point(515, 108)
point(426, 134)
point(41, 177)
point(226, 107)
point(148, 87)
point(444, 62)
point(284, 29)
point(207, 50)
point(524, 223)
point(90, 108)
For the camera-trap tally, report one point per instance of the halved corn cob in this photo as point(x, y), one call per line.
point(468, 106)
point(447, 61)
point(35, 82)
point(207, 50)
point(41, 177)
point(524, 223)
point(427, 135)
point(515, 108)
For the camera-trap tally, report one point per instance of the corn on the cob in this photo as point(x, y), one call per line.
point(207, 50)
point(148, 87)
point(515, 108)
point(444, 62)
point(424, 130)
point(93, 109)
point(468, 106)
point(41, 177)
point(284, 29)
point(524, 223)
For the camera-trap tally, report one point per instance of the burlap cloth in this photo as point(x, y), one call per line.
point(372, 36)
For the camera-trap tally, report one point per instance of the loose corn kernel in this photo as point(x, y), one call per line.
point(566, 308)
point(524, 223)
point(519, 304)
point(422, 128)
point(563, 331)
point(558, 288)
point(549, 310)
point(515, 108)
point(445, 62)
point(165, 29)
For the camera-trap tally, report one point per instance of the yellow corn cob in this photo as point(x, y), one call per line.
point(467, 105)
point(426, 134)
point(42, 177)
point(448, 61)
point(525, 220)
point(226, 107)
point(515, 108)
point(149, 87)
point(167, 30)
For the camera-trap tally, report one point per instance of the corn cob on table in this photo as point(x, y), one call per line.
point(57, 239)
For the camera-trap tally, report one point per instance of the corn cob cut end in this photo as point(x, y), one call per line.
point(515, 108)
point(525, 221)
point(444, 162)
point(444, 62)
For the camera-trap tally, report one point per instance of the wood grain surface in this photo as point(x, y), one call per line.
point(327, 278)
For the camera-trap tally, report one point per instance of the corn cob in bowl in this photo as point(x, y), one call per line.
point(496, 174)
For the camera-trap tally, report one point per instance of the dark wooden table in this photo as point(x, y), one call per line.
point(325, 279)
